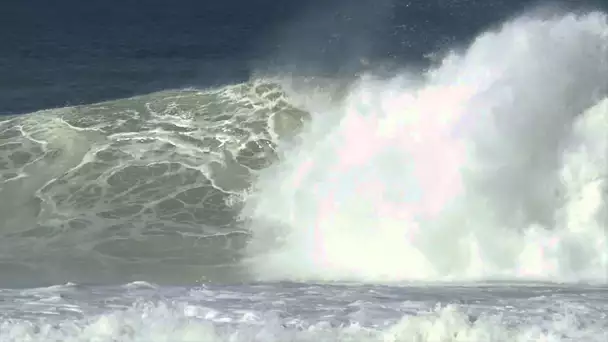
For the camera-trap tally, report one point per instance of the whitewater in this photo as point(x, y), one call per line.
point(465, 201)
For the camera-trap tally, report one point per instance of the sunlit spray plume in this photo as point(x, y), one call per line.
point(490, 166)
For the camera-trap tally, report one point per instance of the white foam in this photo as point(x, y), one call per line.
point(491, 165)
point(151, 323)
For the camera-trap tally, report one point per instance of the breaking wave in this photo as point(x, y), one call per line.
point(489, 165)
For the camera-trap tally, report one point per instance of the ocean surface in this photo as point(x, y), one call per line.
point(423, 171)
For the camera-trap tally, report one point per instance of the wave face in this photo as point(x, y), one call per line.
point(146, 187)
point(491, 165)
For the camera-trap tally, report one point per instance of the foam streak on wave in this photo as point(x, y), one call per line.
point(491, 165)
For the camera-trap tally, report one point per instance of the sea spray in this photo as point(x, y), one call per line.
point(482, 170)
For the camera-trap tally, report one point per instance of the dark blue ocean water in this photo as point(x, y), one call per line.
point(66, 52)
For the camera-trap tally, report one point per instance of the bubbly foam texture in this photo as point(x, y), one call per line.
point(162, 322)
point(491, 165)
point(121, 187)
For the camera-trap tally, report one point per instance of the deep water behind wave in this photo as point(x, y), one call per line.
point(490, 165)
